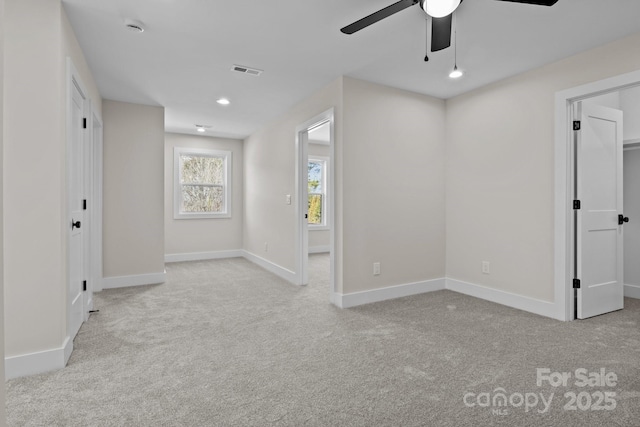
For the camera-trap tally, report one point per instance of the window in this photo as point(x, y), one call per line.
point(202, 183)
point(317, 192)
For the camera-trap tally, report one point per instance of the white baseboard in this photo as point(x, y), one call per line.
point(319, 249)
point(632, 291)
point(136, 280)
point(335, 299)
point(375, 295)
point(36, 363)
point(282, 272)
point(532, 305)
point(200, 256)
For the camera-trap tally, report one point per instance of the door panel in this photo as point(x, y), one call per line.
point(76, 237)
point(600, 240)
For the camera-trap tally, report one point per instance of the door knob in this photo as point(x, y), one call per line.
point(75, 224)
point(622, 219)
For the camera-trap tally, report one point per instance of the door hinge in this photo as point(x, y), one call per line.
point(576, 124)
point(84, 204)
point(84, 285)
point(576, 283)
point(84, 123)
point(576, 204)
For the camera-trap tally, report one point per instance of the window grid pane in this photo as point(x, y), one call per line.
point(315, 208)
point(201, 169)
point(202, 198)
point(316, 179)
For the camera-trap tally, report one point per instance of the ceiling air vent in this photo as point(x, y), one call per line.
point(133, 25)
point(246, 70)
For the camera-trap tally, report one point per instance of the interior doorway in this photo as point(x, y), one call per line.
point(318, 224)
point(593, 240)
point(315, 193)
point(598, 209)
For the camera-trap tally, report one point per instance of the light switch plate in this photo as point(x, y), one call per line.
point(486, 267)
point(376, 268)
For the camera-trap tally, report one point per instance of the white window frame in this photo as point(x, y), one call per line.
point(177, 185)
point(325, 199)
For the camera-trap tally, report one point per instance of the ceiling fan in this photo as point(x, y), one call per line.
point(439, 10)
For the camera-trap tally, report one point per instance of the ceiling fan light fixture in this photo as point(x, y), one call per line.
point(439, 8)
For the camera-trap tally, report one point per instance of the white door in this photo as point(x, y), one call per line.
point(87, 224)
point(76, 220)
point(303, 203)
point(599, 189)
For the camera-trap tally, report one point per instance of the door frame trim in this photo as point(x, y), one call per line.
point(301, 177)
point(563, 181)
point(96, 127)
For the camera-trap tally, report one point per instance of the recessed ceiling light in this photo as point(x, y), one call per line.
point(223, 101)
point(200, 128)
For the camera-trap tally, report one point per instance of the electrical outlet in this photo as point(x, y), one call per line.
point(376, 268)
point(486, 267)
point(266, 247)
point(288, 199)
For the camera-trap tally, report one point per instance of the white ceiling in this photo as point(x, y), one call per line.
point(183, 60)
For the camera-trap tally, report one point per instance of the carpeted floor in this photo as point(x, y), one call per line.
point(224, 343)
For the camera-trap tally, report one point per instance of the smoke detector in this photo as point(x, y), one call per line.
point(133, 25)
point(246, 70)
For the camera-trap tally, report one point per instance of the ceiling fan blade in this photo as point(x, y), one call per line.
point(378, 16)
point(538, 2)
point(441, 33)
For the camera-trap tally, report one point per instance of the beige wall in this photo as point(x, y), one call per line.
point(133, 222)
point(33, 166)
point(389, 165)
point(269, 175)
point(37, 42)
point(203, 235)
point(500, 183)
point(393, 182)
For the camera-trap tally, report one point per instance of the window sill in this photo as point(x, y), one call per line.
point(202, 216)
point(319, 228)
